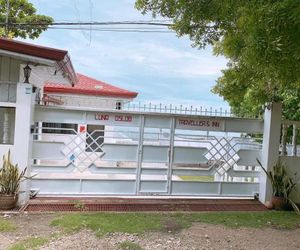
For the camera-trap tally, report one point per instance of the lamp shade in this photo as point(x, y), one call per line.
point(27, 72)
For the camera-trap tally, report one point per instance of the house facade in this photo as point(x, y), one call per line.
point(52, 80)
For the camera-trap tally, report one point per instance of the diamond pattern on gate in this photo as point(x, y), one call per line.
point(76, 150)
point(222, 154)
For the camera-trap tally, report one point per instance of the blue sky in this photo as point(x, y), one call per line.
point(161, 67)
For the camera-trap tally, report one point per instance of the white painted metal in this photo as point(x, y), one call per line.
point(175, 109)
point(144, 153)
point(294, 139)
point(283, 139)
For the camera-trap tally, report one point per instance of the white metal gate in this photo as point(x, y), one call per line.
point(86, 152)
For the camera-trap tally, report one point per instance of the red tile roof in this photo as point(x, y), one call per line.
point(89, 86)
point(60, 56)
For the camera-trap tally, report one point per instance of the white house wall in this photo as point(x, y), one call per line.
point(87, 101)
point(41, 74)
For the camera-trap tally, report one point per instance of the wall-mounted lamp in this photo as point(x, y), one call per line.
point(27, 72)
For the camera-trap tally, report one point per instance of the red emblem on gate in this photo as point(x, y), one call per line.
point(81, 128)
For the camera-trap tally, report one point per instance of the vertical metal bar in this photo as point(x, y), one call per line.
point(8, 93)
point(6, 126)
point(220, 188)
point(171, 153)
point(295, 132)
point(80, 186)
point(140, 155)
point(283, 139)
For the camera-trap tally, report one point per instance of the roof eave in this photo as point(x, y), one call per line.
point(67, 67)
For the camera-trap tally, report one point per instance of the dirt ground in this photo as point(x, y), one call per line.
point(199, 236)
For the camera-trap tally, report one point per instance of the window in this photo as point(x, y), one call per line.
point(59, 128)
point(8, 92)
point(7, 125)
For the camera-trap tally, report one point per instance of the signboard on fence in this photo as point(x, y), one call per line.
point(113, 119)
point(205, 124)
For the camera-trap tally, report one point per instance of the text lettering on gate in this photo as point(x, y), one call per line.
point(114, 118)
point(123, 118)
point(204, 124)
point(101, 117)
point(215, 124)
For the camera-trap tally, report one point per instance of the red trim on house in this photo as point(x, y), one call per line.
point(32, 49)
point(60, 56)
point(89, 86)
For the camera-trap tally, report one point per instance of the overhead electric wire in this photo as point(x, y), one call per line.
point(151, 23)
point(154, 26)
point(114, 29)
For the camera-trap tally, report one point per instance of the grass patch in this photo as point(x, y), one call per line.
point(196, 178)
point(103, 223)
point(278, 219)
point(30, 243)
point(128, 245)
point(6, 226)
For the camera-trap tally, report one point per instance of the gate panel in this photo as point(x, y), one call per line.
point(130, 153)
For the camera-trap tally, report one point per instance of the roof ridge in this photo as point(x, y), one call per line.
point(87, 86)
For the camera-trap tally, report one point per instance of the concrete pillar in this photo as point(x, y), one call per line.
point(270, 150)
point(23, 138)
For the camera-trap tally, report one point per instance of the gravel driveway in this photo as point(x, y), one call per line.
point(199, 236)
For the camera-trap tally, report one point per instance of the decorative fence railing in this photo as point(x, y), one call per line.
point(177, 109)
point(290, 138)
point(113, 104)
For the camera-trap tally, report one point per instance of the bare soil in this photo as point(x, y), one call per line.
point(199, 236)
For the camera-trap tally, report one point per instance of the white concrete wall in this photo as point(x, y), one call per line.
point(23, 137)
point(71, 100)
point(270, 150)
point(21, 147)
point(41, 74)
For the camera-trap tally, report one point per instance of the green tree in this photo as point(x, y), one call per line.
point(260, 38)
point(22, 12)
